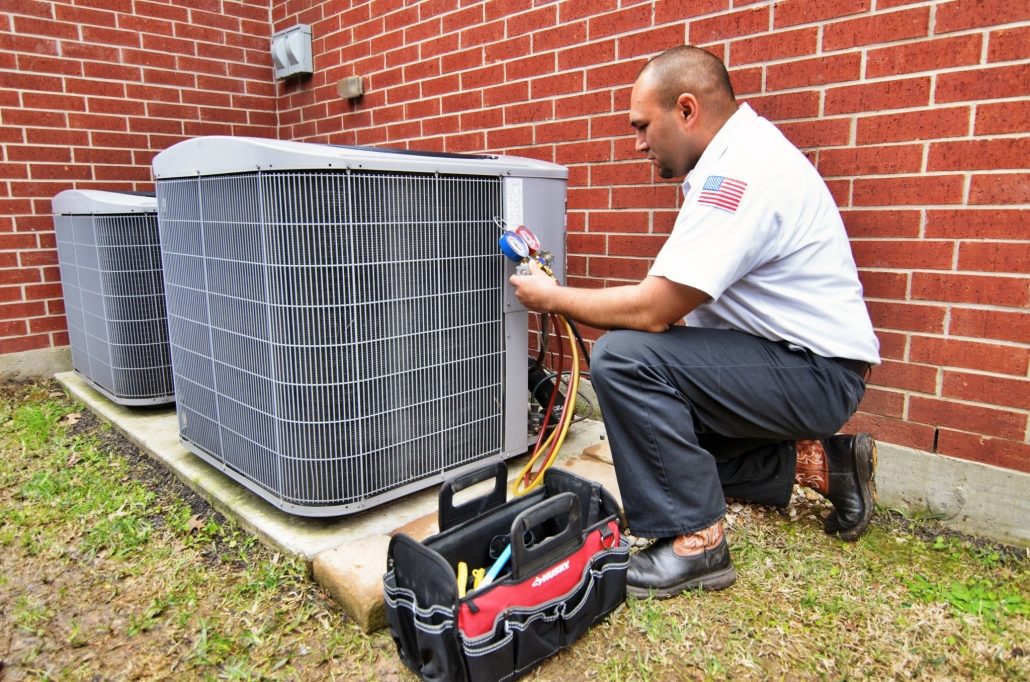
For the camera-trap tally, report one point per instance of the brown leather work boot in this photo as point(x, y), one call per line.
point(841, 468)
point(672, 565)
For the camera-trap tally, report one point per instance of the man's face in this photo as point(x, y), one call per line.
point(662, 134)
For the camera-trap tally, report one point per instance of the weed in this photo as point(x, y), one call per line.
point(977, 596)
point(210, 647)
point(148, 619)
point(31, 614)
point(648, 618)
point(240, 669)
point(75, 636)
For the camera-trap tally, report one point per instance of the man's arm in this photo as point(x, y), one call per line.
point(651, 305)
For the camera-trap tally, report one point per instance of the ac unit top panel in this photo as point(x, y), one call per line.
point(94, 201)
point(220, 155)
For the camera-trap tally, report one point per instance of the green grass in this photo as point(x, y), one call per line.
point(105, 571)
point(111, 569)
point(806, 607)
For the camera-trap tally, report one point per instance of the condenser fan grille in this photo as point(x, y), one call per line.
point(335, 335)
point(114, 301)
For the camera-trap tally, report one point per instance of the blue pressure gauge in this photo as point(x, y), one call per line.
point(513, 246)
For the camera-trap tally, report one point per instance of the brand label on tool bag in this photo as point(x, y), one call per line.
point(482, 612)
point(556, 571)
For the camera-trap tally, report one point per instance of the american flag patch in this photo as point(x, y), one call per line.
point(722, 192)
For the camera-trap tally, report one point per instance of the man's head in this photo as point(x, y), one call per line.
point(679, 102)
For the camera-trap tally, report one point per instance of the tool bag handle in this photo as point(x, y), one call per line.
point(528, 560)
point(450, 516)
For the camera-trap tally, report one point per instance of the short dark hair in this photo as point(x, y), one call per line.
point(687, 68)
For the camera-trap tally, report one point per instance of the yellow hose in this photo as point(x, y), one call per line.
point(520, 486)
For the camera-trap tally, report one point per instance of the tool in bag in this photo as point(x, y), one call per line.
point(550, 564)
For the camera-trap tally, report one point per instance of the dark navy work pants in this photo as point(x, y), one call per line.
point(696, 415)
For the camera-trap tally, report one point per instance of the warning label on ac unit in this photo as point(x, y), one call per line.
point(513, 201)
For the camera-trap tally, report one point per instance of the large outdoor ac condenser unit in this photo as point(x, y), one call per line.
point(110, 261)
point(341, 326)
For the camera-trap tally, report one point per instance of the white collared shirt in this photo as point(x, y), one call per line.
point(760, 233)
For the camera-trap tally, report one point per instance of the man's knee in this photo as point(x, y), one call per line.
point(614, 354)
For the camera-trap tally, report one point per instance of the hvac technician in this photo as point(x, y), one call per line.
point(744, 400)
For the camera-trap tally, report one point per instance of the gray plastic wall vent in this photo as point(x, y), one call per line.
point(341, 328)
point(110, 260)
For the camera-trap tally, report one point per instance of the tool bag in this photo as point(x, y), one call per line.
point(567, 571)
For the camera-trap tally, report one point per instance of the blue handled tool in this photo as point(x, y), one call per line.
point(496, 568)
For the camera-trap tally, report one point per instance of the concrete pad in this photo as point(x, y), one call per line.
point(353, 574)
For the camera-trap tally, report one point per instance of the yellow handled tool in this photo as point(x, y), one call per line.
point(463, 578)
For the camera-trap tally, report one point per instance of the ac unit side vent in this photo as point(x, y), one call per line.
point(110, 262)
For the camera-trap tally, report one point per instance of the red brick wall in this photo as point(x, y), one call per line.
point(917, 112)
point(90, 91)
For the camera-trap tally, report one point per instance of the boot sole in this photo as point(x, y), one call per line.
point(866, 470)
point(872, 475)
point(710, 582)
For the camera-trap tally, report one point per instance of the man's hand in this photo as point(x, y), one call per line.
point(535, 290)
point(650, 305)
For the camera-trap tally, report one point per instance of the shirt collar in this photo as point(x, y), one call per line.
point(743, 116)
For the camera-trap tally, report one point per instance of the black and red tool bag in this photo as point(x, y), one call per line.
point(566, 571)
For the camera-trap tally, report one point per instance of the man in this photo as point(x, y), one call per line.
point(744, 400)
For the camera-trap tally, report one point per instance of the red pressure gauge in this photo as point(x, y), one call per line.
point(527, 236)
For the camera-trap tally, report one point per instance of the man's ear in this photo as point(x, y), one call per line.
point(686, 106)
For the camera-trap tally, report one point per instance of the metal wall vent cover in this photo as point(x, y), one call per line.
point(342, 334)
point(110, 262)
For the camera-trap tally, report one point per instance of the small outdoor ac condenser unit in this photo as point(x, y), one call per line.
point(341, 327)
point(110, 261)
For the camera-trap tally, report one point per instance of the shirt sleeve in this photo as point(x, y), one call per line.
point(719, 234)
